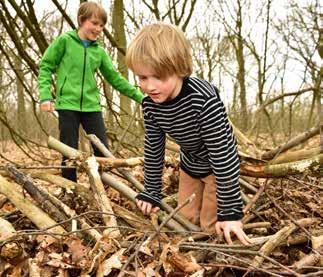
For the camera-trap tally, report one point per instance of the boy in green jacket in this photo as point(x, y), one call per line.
point(75, 57)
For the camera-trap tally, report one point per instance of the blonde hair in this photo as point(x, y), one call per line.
point(163, 47)
point(89, 9)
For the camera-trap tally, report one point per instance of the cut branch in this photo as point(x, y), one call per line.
point(35, 214)
point(102, 200)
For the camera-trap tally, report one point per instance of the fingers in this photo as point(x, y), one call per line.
point(218, 229)
point(146, 207)
point(47, 106)
point(226, 227)
point(241, 235)
point(227, 236)
point(155, 209)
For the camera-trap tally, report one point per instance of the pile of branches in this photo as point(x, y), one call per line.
point(97, 230)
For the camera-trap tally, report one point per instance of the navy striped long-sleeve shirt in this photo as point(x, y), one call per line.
point(196, 119)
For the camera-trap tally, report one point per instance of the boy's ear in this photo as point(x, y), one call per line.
point(79, 20)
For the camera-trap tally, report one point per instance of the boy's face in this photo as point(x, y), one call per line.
point(158, 89)
point(91, 28)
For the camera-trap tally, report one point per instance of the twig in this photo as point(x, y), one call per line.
point(157, 232)
point(230, 266)
point(170, 216)
point(288, 215)
point(122, 270)
point(255, 198)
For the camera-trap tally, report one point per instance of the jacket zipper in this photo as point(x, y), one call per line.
point(83, 77)
point(61, 90)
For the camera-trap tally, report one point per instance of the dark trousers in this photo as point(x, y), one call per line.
point(69, 123)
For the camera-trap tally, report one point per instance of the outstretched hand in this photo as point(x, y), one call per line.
point(146, 207)
point(226, 227)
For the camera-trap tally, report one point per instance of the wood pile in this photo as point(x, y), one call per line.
point(50, 226)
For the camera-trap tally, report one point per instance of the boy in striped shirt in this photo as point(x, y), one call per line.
point(190, 111)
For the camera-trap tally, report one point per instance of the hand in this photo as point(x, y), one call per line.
point(226, 227)
point(146, 207)
point(47, 106)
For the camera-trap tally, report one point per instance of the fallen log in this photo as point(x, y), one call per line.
point(39, 196)
point(295, 156)
point(102, 200)
point(35, 214)
point(282, 170)
point(77, 155)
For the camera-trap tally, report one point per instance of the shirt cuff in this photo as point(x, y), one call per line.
point(46, 100)
point(230, 217)
point(147, 198)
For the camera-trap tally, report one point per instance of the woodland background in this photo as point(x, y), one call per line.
point(264, 56)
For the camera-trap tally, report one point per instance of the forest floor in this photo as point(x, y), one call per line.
point(283, 220)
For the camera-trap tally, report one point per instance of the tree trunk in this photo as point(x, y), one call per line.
point(241, 71)
point(120, 37)
point(21, 116)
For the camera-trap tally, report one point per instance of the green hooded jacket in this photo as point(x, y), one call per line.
point(75, 66)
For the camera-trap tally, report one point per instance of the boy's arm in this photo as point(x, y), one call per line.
point(219, 139)
point(47, 67)
point(153, 162)
point(117, 81)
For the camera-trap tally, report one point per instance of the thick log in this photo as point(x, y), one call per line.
point(298, 167)
point(295, 156)
point(102, 200)
point(74, 154)
point(39, 196)
point(35, 214)
point(64, 149)
point(282, 170)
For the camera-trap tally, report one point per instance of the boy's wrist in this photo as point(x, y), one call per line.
point(142, 196)
point(230, 217)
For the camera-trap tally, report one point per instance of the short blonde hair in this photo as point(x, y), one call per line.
point(89, 9)
point(163, 47)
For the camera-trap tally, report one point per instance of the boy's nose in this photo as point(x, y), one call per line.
point(150, 86)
